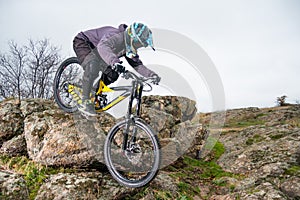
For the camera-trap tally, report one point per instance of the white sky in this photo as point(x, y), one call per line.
point(254, 44)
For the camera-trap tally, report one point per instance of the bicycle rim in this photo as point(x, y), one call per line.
point(68, 74)
point(139, 163)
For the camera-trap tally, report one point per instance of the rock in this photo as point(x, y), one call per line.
point(30, 106)
point(291, 187)
point(165, 183)
point(266, 191)
point(55, 138)
point(169, 151)
point(181, 108)
point(221, 197)
point(185, 139)
point(71, 186)
point(160, 121)
point(11, 123)
point(270, 145)
point(59, 139)
point(112, 190)
point(189, 136)
point(15, 147)
point(12, 187)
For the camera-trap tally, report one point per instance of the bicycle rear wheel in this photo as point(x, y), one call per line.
point(139, 163)
point(69, 74)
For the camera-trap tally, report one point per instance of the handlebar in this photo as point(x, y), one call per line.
point(127, 74)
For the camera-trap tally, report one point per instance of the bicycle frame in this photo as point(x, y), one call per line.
point(134, 91)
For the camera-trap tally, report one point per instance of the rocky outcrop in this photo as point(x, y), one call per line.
point(54, 138)
point(263, 145)
point(256, 157)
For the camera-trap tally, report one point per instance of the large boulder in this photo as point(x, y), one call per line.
point(171, 118)
point(181, 108)
point(71, 186)
point(12, 120)
point(56, 138)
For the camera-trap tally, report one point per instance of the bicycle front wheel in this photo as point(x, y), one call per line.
point(67, 84)
point(139, 163)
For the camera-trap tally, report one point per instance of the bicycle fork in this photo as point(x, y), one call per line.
point(136, 94)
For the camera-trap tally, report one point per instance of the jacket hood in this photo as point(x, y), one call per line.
point(122, 27)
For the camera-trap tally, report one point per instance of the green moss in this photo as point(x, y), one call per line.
point(255, 139)
point(194, 171)
point(179, 175)
point(183, 197)
point(220, 182)
point(260, 115)
point(294, 122)
point(163, 195)
point(218, 150)
point(231, 188)
point(278, 136)
point(210, 169)
point(245, 123)
point(187, 191)
point(34, 174)
point(293, 170)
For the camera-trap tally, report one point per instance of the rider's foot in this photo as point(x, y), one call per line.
point(87, 108)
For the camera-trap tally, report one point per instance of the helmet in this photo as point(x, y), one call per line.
point(140, 36)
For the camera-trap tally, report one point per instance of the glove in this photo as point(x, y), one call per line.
point(118, 68)
point(156, 79)
point(109, 75)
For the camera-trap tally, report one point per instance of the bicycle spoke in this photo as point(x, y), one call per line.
point(70, 72)
point(138, 162)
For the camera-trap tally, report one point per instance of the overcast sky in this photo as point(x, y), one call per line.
point(254, 44)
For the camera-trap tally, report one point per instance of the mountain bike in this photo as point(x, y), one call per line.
point(132, 149)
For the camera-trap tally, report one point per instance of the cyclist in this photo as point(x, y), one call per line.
point(100, 49)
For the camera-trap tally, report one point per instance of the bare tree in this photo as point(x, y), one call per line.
point(28, 71)
point(12, 71)
point(42, 61)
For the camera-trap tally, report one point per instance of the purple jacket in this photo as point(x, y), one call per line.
point(110, 44)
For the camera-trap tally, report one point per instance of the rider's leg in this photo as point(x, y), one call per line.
point(91, 72)
point(92, 67)
point(92, 64)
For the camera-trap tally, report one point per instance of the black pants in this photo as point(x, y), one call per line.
point(92, 64)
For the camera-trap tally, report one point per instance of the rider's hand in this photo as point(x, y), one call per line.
point(156, 79)
point(118, 68)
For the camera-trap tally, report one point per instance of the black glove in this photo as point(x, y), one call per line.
point(118, 68)
point(156, 79)
point(109, 75)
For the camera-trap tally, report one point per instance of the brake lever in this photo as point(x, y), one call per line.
point(125, 75)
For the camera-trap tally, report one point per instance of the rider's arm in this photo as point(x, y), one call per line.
point(137, 64)
point(106, 48)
